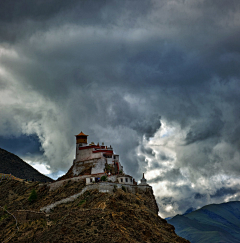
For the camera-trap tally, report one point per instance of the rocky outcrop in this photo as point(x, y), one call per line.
point(77, 169)
point(87, 167)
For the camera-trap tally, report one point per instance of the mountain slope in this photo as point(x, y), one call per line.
point(12, 164)
point(94, 216)
point(212, 223)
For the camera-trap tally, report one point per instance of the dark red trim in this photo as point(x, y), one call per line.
point(87, 147)
point(117, 166)
point(97, 147)
point(103, 151)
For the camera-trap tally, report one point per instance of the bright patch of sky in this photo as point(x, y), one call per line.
point(42, 168)
point(45, 170)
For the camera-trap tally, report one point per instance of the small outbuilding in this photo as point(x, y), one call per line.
point(90, 180)
point(125, 179)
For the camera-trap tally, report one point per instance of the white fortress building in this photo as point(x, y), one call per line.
point(94, 159)
point(94, 162)
point(102, 171)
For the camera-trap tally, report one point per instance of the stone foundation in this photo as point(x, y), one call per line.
point(109, 187)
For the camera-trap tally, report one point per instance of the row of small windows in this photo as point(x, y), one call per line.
point(126, 180)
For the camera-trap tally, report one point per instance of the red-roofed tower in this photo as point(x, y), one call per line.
point(81, 139)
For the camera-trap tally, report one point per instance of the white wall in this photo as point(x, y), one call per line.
point(77, 169)
point(120, 166)
point(86, 154)
point(99, 166)
point(90, 180)
point(83, 154)
point(125, 180)
point(109, 161)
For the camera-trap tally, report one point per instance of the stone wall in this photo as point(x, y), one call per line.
point(112, 178)
point(108, 187)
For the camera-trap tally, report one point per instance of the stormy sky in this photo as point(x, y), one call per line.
point(157, 80)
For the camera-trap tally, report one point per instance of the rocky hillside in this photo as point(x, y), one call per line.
point(212, 223)
point(94, 216)
point(12, 164)
point(70, 174)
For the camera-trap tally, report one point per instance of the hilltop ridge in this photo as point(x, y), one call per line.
point(12, 164)
point(94, 216)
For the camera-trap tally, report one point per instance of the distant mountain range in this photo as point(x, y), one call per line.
point(215, 223)
point(12, 164)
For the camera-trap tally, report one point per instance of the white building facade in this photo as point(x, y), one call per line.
point(94, 159)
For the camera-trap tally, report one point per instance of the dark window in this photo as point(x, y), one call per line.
point(126, 179)
point(121, 180)
point(90, 179)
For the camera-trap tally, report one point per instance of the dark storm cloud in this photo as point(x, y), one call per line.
point(148, 151)
point(199, 196)
point(223, 191)
point(21, 145)
point(179, 202)
point(16, 17)
point(167, 200)
point(11, 11)
point(148, 127)
point(163, 157)
point(171, 175)
point(122, 71)
point(21, 18)
point(209, 128)
point(155, 165)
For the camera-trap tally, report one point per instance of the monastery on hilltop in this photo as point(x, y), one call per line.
point(97, 162)
point(101, 170)
point(102, 157)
